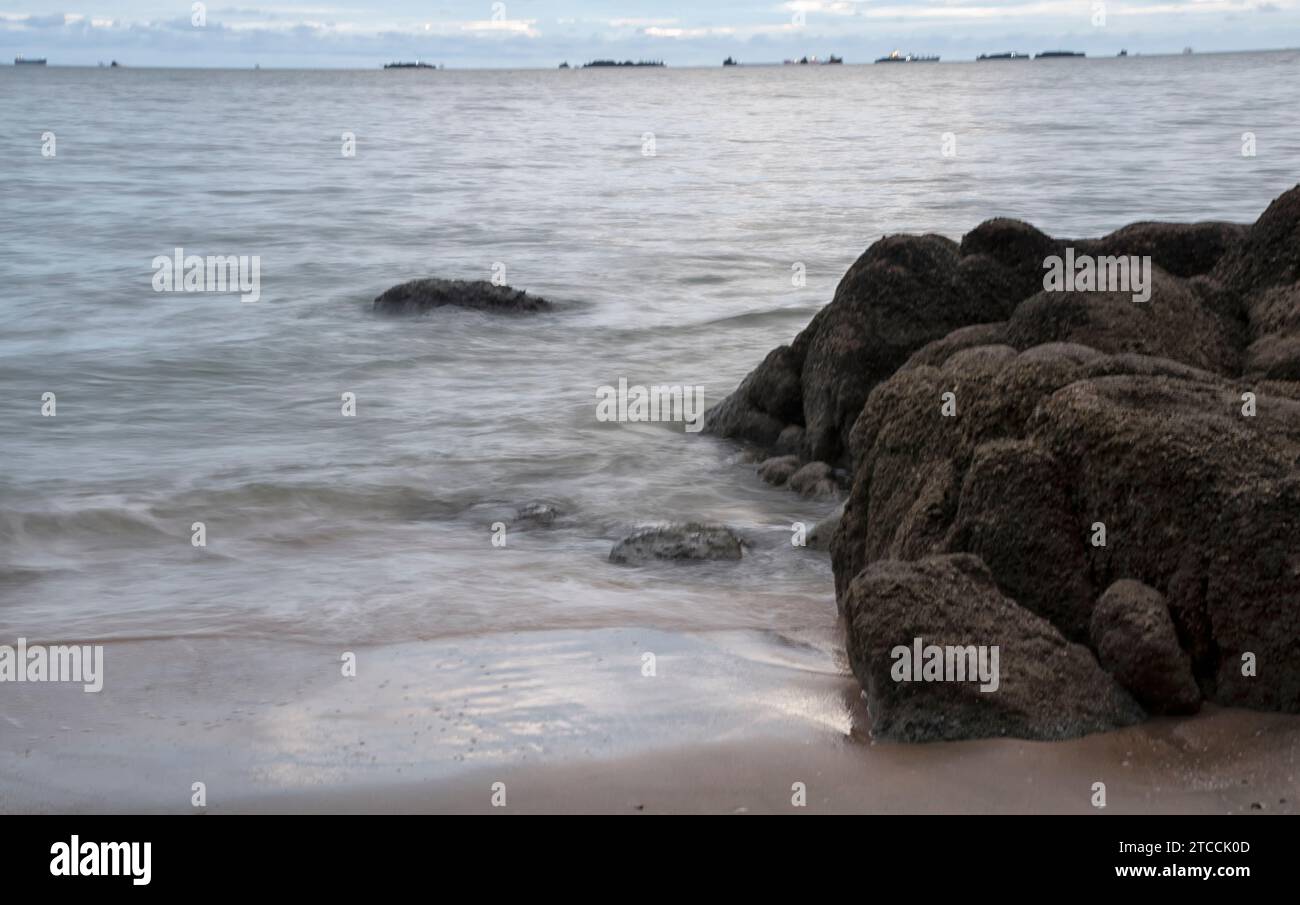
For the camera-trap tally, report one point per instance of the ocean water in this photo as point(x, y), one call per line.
point(673, 267)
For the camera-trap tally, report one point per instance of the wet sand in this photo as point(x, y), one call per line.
point(570, 722)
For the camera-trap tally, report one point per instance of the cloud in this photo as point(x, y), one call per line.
point(509, 26)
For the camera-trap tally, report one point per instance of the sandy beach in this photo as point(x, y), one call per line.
point(569, 723)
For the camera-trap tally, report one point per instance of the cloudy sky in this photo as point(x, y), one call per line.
point(519, 33)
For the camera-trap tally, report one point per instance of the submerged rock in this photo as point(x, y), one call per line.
point(419, 296)
point(539, 514)
point(678, 542)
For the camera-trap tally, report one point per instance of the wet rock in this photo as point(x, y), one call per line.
point(819, 538)
point(420, 296)
point(816, 479)
point(677, 543)
point(1136, 642)
point(540, 514)
point(779, 469)
point(1072, 414)
point(1044, 687)
point(1197, 501)
point(790, 441)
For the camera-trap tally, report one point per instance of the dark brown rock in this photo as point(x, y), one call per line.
point(421, 296)
point(1135, 641)
point(1069, 412)
point(778, 469)
point(816, 479)
point(1046, 686)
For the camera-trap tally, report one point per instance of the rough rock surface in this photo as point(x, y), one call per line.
point(979, 414)
point(537, 513)
point(819, 538)
point(779, 469)
point(816, 479)
point(419, 296)
point(1136, 642)
point(1047, 687)
point(677, 542)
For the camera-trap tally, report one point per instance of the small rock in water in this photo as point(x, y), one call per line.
point(543, 514)
point(677, 542)
point(778, 469)
point(419, 296)
point(816, 479)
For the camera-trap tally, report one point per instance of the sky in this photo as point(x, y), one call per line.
point(542, 33)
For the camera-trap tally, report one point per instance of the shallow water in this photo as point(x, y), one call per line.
point(674, 268)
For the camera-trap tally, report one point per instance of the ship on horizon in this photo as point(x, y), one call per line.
point(1009, 55)
point(416, 65)
point(832, 60)
point(896, 57)
point(1053, 54)
point(23, 61)
point(605, 64)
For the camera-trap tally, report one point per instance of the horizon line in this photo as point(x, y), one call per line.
point(439, 67)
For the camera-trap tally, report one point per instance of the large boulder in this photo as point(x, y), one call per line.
point(1069, 440)
point(421, 296)
point(1067, 471)
point(1029, 682)
point(904, 292)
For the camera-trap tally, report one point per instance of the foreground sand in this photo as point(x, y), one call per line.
point(569, 723)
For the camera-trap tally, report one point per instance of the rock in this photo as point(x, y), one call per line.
point(1046, 686)
point(1176, 323)
point(420, 296)
point(816, 479)
point(677, 542)
point(1182, 249)
point(790, 441)
point(1269, 254)
point(541, 514)
point(1198, 502)
point(778, 469)
point(819, 538)
point(1136, 642)
point(1072, 414)
point(904, 292)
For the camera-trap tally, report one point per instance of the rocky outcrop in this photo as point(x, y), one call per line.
point(421, 296)
point(677, 543)
point(1028, 681)
point(1077, 446)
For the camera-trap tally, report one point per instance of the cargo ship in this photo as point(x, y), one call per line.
point(23, 61)
point(1011, 55)
point(897, 57)
point(1054, 54)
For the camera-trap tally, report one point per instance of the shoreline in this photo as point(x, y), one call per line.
point(568, 722)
